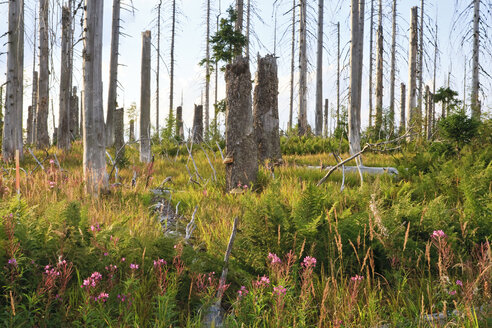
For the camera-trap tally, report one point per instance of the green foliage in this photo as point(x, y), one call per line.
point(458, 128)
point(299, 145)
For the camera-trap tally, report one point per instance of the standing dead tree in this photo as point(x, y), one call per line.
point(64, 137)
point(198, 124)
point(113, 72)
point(145, 153)
point(379, 73)
point(411, 112)
point(393, 73)
point(319, 72)
point(302, 114)
point(292, 64)
point(42, 136)
point(12, 125)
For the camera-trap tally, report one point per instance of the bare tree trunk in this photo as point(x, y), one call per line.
point(42, 137)
point(420, 68)
point(64, 140)
point(119, 134)
point(392, 74)
point(1, 111)
point(158, 70)
point(292, 64)
point(248, 26)
point(179, 123)
point(29, 123)
point(240, 15)
point(113, 73)
point(12, 129)
point(434, 79)
point(338, 75)
point(319, 72)
point(475, 104)
point(302, 116)
point(412, 72)
point(356, 53)
point(93, 134)
point(207, 74)
point(171, 82)
point(265, 109)
point(402, 108)
point(428, 110)
point(464, 83)
point(74, 114)
point(325, 123)
point(31, 134)
point(242, 156)
point(198, 124)
point(145, 99)
point(132, 130)
point(371, 60)
point(379, 77)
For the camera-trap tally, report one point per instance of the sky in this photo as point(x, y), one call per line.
point(190, 49)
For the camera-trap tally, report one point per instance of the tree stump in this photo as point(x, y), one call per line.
point(179, 123)
point(74, 114)
point(265, 109)
point(242, 157)
point(198, 124)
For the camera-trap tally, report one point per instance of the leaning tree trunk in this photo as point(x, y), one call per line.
point(64, 140)
point(392, 74)
point(356, 52)
point(42, 136)
point(207, 74)
point(265, 109)
point(371, 51)
point(198, 124)
point(74, 114)
point(379, 78)
point(95, 174)
point(113, 73)
point(302, 116)
point(12, 128)
point(241, 151)
point(119, 134)
point(145, 100)
point(292, 64)
point(402, 108)
point(179, 123)
point(319, 72)
point(411, 115)
point(475, 104)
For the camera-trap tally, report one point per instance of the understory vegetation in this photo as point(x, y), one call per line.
point(411, 250)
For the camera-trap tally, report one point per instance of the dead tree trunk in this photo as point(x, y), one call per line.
point(207, 74)
point(292, 64)
point(402, 108)
point(248, 26)
point(12, 128)
point(113, 73)
point(132, 131)
point(412, 73)
point(145, 99)
point(119, 134)
point(42, 137)
point(319, 72)
point(392, 74)
point(198, 124)
point(371, 60)
point(325, 122)
point(32, 135)
point(265, 109)
point(241, 151)
point(475, 104)
point(95, 174)
point(64, 140)
point(179, 123)
point(29, 124)
point(428, 111)
point(158, 69)
point(302, 116)
point(420, 68)
point(74, 114)
point(171, 82)
point(356, 53)
point(240, 16)
point(338, 75)
point(379, 77)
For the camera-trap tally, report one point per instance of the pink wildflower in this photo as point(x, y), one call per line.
point(357, 278)
point(309, 262)
point(438, 234)
point(262, 282)
point(273, 258)
point(453, 292)
point(13, 262)
point(243, 291)
point(279, 290)
point(159, 262)
point(134, 266)
point(103, 297)
point(459, 283)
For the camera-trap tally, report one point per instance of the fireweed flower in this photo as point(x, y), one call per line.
point(459, 283)
point(262, 282)
point(13, 262)
point(273, 258)
point(134, 266)
point(438, 234)
point(95, 228)
point(123, 259)
point(357, 278)
point(159, 263)
point(279, 290)
point(309, 262)
point(103, 297)
point(91, 281)
point(242, 292)
point(452, 293)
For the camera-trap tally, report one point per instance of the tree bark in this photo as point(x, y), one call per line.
point(411, 114)
point(119, 135)
point(292, 64)
point(242, 155)
point(158, 69)
point(338, 75)
point(171, 82)
point(207, 74)
point(356, 54)
point(198, 124)
point(93, 134)
point(113, 73)
point(248, 26)
point(265, 109)
point(132, 130)
point(392, 74)
point(12, 128)
point(428, 112)
point(240, 15)
point(302, 116)
point(420, 68)
point(475, 104)
point(64, 140)
point(74, 114)
point(29, 124)
point(179, 123)
point(145, 99)
point(325, 123)
point(379, 77)
point(402, 108)
point(32, 135)
point(42, 136)
point(371, 60)
point(319, 72)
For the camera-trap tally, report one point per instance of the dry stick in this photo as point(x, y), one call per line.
point(113, 163)
point(191, 226)
point(37, 161)
point(57, 163)
point(209, 162)
point(366, 147)
point(337, 158)
point(358, 162)
point(220, 150)
point(223, 277)
point(192, 159)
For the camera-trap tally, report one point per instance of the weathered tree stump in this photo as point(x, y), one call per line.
point(132, 130)
point(265, 109)
point(198, 124)
point(179, 123)
point(74, 114)
point(242, 157)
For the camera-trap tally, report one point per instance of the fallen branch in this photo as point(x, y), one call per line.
point(220, 150)
point(191, 226)
point(209, 162)
point(37, 161)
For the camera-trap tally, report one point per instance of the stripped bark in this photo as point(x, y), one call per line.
point(64, 138)
point(392, 74)
point(319, 73)
point(475, 104)
point(145, 155)
point(74, 114)
point(207, 73)
point(402, 108)
point(113, 73)
point(379, 74)
point(292, 64)
point(179, 123)
point(42, 137)
point(411, 112)
point(302, 115)
point(198, 124)
point(420, 68)
point(371, 60)
point(119, 140)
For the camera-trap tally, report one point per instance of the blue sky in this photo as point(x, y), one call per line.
point(190, 49)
